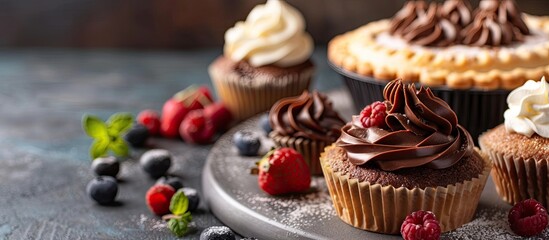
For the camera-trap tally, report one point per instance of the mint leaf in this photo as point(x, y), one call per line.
point(119, 123)
point(179, 203)
point(178, 227)
point(119, 147)
point(94, 127)
point(99, 148)
point(187, 217)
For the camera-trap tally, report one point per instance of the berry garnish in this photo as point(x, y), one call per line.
point(283, 171)
point(175, 182)
point(246, 142)
point(374, 115)
point(528, 218)
point(220, 116)
point(194, 198)
point(156, 162)
point(106, 166)
point(137, 135)
point(151, 120)
point(265, 123)
point(217, 233)
point(176, 108)
point(158, 198)
point(420, 225)
point(103, 189)
point(197, 128)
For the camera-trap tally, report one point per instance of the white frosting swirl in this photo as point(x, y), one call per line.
point(273, 33)
point(528, 111)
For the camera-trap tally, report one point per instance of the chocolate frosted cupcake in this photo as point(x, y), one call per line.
point(266, 58)
point(520, 147)
point(403, 155)
point(307, 123)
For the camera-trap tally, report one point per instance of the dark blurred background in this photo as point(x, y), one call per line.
point(173, 24)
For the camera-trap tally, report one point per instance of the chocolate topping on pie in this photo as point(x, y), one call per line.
point(496, 23)
point(309, 115)
point(423, 132)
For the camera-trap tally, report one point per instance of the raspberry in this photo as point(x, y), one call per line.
point(374, 115)
point(420, 225)
point(528, 218)
point(151, 120)
point(158, 198)
point(197, 128)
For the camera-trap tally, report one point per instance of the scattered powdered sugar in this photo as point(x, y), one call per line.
point(489, 223)
point(294, 211)
point(147, 223)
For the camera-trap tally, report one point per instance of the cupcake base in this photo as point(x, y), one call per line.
point(518, 174)
point(248, 90)
point(382, 209)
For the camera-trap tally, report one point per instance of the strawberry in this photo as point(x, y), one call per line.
point(219, 114)
point(158, 198)
point(176, 108)
point(283, 171)
point(151, 120)
point(197, 128)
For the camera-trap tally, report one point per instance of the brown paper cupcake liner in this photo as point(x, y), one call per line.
point(518, 179)
point(477, 110)
point(247, 98)
point(309, 148)
point(382, 209)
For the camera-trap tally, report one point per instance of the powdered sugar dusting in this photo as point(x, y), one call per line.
point(147, 223)
point(295, 211)
point(489, 223)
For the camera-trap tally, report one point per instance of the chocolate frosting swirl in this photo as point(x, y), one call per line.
point(423, 131)
point(310, 115)
point(423, 26)
point(496, 23)
point(458, 12)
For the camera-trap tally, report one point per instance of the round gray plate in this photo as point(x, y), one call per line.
point(235, 198)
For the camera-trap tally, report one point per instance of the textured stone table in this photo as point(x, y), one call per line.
point(44, 163)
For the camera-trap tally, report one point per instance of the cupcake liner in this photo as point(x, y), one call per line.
point(518, 179)
point(477, 110)
point(309, 148)
point(248, 97)
point(382, 209)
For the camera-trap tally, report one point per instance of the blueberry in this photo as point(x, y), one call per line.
point(106, 166)
point(247, 143)
point(175, 182)
point(137, 135)
point(156, 162)
point(194, 198)
point(103, 189)
point(217, 233)
point(265, 124)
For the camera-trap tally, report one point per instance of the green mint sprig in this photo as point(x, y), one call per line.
point(108, 135)
point(180, 218)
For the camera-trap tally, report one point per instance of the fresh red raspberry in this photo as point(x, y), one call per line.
point(151, 120)
point(374, 115)
point(420, 225)
point(158, 198)
point(528, 218)
point(219, 114)
point(197, 128)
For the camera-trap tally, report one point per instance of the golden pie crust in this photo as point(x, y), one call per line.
point(365, 52)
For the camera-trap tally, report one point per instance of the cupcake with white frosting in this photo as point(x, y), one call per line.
point(519, 148)
point(266, 58)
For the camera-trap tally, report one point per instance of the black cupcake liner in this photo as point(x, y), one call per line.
point(477, 110)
